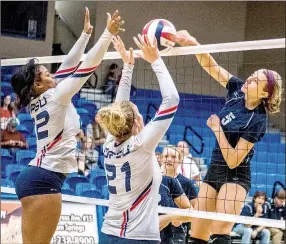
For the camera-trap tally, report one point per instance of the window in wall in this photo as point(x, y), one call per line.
point(24, 19)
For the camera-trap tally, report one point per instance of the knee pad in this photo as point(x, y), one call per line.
point(220, 239)
point(193, 240)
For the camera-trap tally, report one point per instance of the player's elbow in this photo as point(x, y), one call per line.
point(175, 98)
point(233, 162)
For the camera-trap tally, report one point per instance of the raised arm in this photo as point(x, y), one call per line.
point(157, 127)
point(207, 62)
point(73, 58)
point(70, 86)
point(123, 92)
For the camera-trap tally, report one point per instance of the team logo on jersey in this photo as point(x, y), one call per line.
point(228, 118)
point(41, 103)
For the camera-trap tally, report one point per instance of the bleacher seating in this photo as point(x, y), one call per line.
point(73, 179)
point(6, 159)
point(23, 129)
point(85, 116)
point(6, 88)
point(67, 190)
point(26, 120)
point(88, 105)
point(32, 142)
point(24, 157)
point(13, 170)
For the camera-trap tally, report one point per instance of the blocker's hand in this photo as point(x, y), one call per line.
point(127, 58)
point(87, 26)
point(114, 23)
point(149, 48)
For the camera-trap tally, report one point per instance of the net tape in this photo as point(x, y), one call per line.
point(181, 212)
point(176, 51)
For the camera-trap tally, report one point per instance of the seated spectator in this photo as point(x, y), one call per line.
point(171, 195)
point(6, 112)
point(113, 76)
point(96, 132)
point(277, 211)
point(159, 157)
point(12, 139)
point(171, 161)
point(258, 208)
point(87, 156)
point(189, 167)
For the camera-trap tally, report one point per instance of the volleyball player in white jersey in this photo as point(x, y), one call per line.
point(133, 173)
point(56, 123)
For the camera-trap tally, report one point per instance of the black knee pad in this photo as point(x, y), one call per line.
point(193, 240)
point(220, 239)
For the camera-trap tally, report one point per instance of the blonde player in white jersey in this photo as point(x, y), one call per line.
point(133, 173)
point(56, 124)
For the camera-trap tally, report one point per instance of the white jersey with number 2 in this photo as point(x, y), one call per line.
point(56, 120)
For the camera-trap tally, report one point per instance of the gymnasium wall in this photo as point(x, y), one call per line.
point(12, 47)
point(73, 14)
point(266, 20)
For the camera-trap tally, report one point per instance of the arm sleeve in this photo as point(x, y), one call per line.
point(192, 191)
point(233, 85)
point(123, 92)
point(256, 129)
point(157, 127)
point(73, 58)
point(65, 90)
point(176, 189)
point(246, 211)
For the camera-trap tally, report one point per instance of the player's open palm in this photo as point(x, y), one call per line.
point(87, 26)
point(127, 57)
point(149, 48)
point(114, 23)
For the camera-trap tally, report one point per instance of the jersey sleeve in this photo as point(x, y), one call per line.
point(191, 191)
point(153, 132)
point(73, 58)
point(123, 92)
point(246, 211)
point(233, 85)
point(65, 90)
point(256, 129)
point(176, 189)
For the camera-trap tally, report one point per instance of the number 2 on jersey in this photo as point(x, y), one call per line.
point(125, 168)
point(43, 134)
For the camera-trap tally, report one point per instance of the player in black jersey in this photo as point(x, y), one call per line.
point(238, 126)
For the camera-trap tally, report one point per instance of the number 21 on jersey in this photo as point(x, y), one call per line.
point(125, 168)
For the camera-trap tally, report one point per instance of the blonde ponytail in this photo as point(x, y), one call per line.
point(117, 119)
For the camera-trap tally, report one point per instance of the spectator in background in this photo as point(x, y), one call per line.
point(12, 139)
point(258, 208)
point(189, 167)
point(79, 138)
point(96, 132)
point(6, 111)
point(112, 78)
point(171, 195)
point(277, 211)
point(87, 156)
point(171, 161)
point(159, 158)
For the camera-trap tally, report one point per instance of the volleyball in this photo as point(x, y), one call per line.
point(163, 30)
